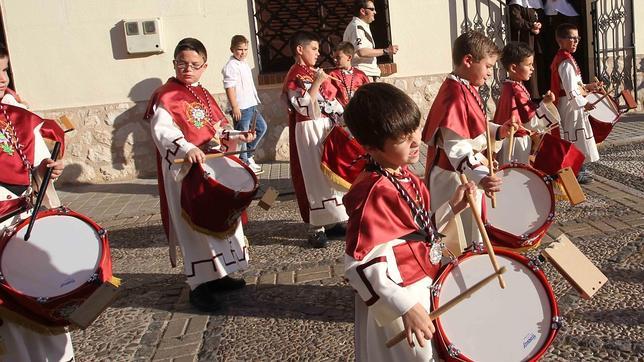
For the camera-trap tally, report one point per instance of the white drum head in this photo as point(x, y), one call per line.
point(523, 204)
point(604, 110)
point(495, 324)
point(62, 253)
point(229, 173)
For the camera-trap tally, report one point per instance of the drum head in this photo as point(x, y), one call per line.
point(62, 253)
point(229, 173)
point(494, 324)
point(523, 204)
point(604, 111)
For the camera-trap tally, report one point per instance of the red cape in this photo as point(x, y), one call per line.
point(514, 101)
point(352, 81)
point(555, 84)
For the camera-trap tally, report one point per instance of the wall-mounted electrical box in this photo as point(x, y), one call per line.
point(143, 35)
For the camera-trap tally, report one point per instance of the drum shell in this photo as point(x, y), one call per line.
point(53, 311)
point(601, 130)
point(342, 157)
point(604, 116)
point(442, 341)
point(201, 194)
point(555, 154)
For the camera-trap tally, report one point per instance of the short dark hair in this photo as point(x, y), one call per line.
point(514, 53)
point(564, 29)
point(381, 111)
point(4, 53)
point(238, 39)
point(345, 47)
point(474, 43)
point(302, 38)
point(358, 5)
point(191, 44)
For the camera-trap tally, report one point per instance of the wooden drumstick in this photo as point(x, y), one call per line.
point(511, 143)
point(449, 305)
point(490, 158)
point(486, 239)
point(177, 161)
point(42, 192)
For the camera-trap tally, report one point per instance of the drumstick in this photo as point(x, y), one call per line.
point(489, 158)
point(486, 239)
point(511, 145)
point(253, 122)
point(41, 192)
point(449, 305)
point(213, 155)
point(602, 97)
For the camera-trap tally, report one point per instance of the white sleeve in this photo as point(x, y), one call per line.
point(541, 119)
point(303, 104)
point(231, 75)
point(463, 156)
point(569, 82)
point(167, 136)
point(375, 278)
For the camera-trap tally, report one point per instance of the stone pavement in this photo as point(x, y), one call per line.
point(297, 306)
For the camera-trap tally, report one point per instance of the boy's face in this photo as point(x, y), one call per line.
point(342, 60)
point(189, 66)
point(522, 71)
point(398, 152)
point(570, 42)
point(240, 51)
point(4, 75)
point(309, 53)
point(478, 72)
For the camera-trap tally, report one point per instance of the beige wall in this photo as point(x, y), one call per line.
point(70, 53)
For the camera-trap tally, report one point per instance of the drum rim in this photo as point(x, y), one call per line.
point(501, 236)
point(538, 272)
point(610, 99)
point(213, 182)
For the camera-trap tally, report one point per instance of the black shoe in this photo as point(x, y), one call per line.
point(339, 230)
point(224, 284)
point(584, 178)
point(202, 299)
point(319, 240)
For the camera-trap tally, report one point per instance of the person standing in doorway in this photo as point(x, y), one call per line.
point(525, 27)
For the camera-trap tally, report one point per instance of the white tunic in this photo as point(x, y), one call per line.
point(574, 119)
point(18, 343)
point(205, 257)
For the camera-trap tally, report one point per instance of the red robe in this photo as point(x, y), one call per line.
point(378, 214)
point(347, 83)
point(515, 101)
point(186, 111)
point(555, 83)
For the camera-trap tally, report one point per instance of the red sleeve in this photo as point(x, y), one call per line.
point(51, 130)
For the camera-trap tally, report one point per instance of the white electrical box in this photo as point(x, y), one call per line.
point(143, 35)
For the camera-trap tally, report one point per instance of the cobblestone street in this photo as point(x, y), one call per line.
point(297, 306)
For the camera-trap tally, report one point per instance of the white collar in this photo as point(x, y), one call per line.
point(530, 4)
point(360, 22)
point(458, 79)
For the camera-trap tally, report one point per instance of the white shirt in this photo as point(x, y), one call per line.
point(530, 4)
point(237, 74)
point(560, 6)
point(358, 33)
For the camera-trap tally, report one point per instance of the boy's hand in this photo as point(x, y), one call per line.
point(236, 114)
point(549, 97)
point(536, 27)
point(595, 87)
point(247, 136)
point(505, 128)
point(458, 202)
point(56, 166)
point(491, 184)
point(589, 106)
point(417, 322)
point(320, 76)
point(195, 155)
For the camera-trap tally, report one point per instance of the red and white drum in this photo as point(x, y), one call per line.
point(65, 260)
point(554, 153)
point(215, 193)
point(604, 116)
point(342, 157)
point(525, 207)
point(517, 323)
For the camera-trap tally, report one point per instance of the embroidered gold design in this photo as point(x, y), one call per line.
point(196, 114)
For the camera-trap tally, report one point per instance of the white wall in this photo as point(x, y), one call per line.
point(68, 53)
point(638, 19)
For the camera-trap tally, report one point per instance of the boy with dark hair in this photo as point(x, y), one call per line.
point(310, 99)
point(518, 59)
point(185, 121)
point(243, 98)
point(456, 127)
point(391, 270)
point(568, 86)
point(22, 152)
point(346, 78)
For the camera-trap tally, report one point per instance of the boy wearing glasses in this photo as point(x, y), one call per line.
point(358, 33)
point(186, 121)
point(570, 90)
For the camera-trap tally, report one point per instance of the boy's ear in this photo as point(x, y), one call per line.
point(468, 59)
point(512, 68)
point(298, 49)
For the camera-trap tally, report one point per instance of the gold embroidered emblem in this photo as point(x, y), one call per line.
point(196, 114)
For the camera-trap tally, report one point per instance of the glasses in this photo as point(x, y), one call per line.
point(573, 38)
point(372, 9)
point(185, 66)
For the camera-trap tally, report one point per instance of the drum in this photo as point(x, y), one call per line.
point(517, 323)
point(525, 207)
point(11, 205)
point(215, 193)
point(604, 116)
point(342, 157)
point(554, 153)
point(65, 260)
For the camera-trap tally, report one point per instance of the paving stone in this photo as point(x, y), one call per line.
point(179, 351)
